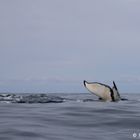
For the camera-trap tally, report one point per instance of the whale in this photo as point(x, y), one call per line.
point(103, 91)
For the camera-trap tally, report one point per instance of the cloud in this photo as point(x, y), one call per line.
point(134, 79)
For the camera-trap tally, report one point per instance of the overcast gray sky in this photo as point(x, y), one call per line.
point(53, 45)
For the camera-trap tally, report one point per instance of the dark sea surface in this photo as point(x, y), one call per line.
point(68, 117)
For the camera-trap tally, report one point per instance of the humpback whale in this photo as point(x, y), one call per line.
point(104, 92)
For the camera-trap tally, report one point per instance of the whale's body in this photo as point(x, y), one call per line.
point(104, 92)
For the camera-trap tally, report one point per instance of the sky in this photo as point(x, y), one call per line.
point(53, 45)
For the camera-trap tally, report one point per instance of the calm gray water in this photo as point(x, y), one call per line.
point(75, 118)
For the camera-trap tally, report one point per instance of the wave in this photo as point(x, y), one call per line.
point(32, 98)
point(45, 98)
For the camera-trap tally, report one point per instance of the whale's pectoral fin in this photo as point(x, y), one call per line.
point(115, 90)
point(101, 90)
point(115, 86)
point(104, 92)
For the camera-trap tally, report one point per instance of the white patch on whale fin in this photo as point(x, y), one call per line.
point(100, 90)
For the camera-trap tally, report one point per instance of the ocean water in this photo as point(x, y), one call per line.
point(68, 117)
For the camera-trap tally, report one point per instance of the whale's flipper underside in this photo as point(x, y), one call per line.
point(103, 91)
